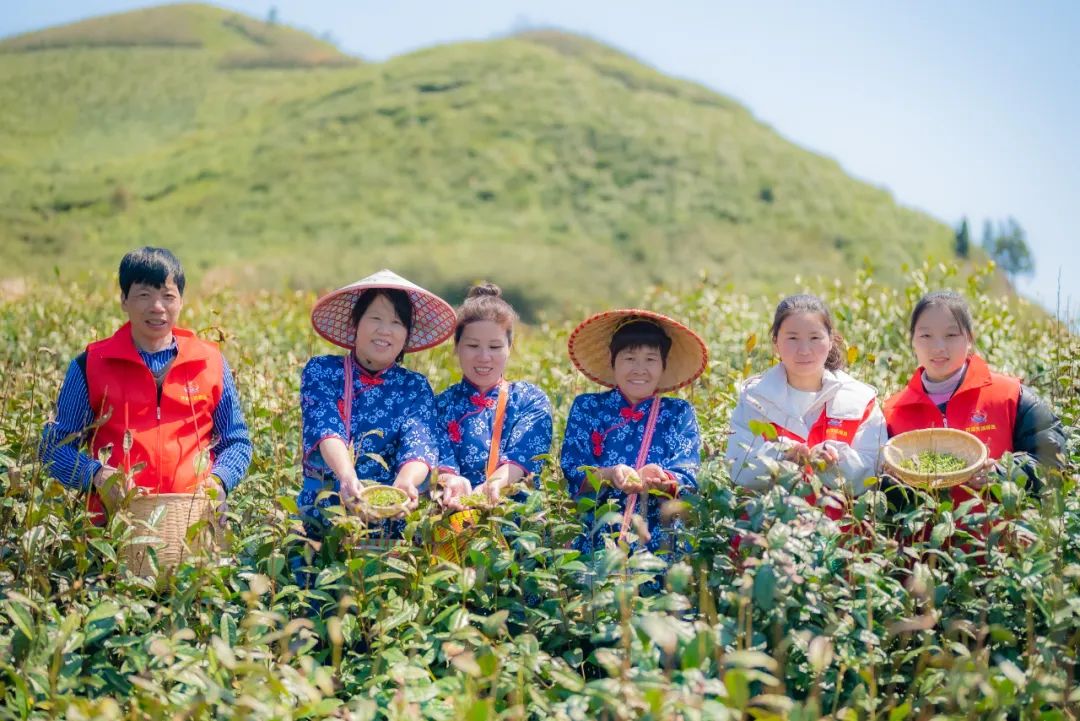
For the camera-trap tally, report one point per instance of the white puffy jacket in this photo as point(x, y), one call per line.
point(847, 404)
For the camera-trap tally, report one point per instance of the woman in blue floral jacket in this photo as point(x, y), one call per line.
point(365, 417)
point(467, 410)
point(640, 447)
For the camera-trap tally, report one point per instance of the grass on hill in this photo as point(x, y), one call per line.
point(562, 169)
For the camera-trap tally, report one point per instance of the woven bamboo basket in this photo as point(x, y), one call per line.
point(181, 512)
point(452, 535)
point(939, 440)
point(381, 512)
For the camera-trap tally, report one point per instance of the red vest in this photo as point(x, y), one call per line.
point(169, 434)
point(828, 429)
point(984, 405)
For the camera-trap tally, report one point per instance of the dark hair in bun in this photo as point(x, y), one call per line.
point(484, 301)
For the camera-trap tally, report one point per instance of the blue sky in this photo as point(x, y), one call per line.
point(966, 107)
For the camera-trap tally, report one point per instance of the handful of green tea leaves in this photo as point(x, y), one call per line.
point(475, 500)
point(933, 462)
point(385, 497)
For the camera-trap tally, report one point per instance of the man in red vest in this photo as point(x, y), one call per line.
point(154, 406)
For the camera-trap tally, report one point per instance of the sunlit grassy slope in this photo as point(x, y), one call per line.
point(559, 167)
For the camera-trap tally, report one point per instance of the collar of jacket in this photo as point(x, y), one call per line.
point(121, 346)
point(842, 396)
point(976, 376)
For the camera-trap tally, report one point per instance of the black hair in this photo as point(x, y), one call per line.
point(484, 301)
point(150, 266)
point(806, 303)
point(402, 307)
point(951, 301)
point(640, 333)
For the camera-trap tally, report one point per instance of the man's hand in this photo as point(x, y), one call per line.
point(215, 490)
point(112, 487)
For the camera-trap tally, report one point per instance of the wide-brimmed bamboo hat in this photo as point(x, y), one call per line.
point(590, 347)
point(433, 318)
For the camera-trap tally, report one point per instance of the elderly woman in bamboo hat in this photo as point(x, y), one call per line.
point(636, 443)
point(366, 418)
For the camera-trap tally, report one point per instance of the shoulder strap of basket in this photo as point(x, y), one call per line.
point(347, 398)
point(643, 453)
point(496, 430)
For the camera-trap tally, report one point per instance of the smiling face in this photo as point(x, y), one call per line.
point(153, 313)
point(803, 343)
point(380, 335)
point(638, 371)
point(940, 344)
point(482, 351)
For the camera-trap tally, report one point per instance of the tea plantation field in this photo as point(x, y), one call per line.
point(805, 621)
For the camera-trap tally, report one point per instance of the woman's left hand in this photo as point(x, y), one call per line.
point(824, 456)
point(493, 489)
point(655, 477)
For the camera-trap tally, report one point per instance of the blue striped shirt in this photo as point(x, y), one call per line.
point(61, 437)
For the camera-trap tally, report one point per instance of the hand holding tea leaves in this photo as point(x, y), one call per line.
point(623, 477)
point(215, 489)
point(981, 478)
point(653, 476)
point(454, 488)
point(823, 456)
point(112, 486)
point(798, 453)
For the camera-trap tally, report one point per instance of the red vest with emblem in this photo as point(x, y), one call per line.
point(984, 405)
point(840, 430)
point(170, 430)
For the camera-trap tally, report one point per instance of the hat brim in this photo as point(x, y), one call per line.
point(433, 318)
point(590, 348)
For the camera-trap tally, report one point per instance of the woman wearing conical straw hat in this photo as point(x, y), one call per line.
point(365, 417)
point(640, 447)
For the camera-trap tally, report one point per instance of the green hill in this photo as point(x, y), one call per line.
point(555, 165)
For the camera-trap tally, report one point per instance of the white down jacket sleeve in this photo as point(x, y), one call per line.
point(749, 456)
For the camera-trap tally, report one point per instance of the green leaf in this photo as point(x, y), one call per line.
point(901, 712)
point(765, 586)
point(21, 617)
point(764, 429)
point(100, 622)
point(494, 623)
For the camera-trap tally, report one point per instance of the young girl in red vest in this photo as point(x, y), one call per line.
point(953, 387)
point(818, 415)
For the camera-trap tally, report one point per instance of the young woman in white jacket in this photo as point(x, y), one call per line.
point(806, 409)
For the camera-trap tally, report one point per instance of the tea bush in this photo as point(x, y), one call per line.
point(868, 617)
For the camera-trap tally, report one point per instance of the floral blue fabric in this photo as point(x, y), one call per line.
point(605, 429)
point(393, 412)
point(465, 421)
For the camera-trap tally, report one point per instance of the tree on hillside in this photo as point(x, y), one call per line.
point(963, 240)
point(1007, 245)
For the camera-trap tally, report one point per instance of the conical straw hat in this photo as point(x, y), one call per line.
point(590, 348)
point(433, 318)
